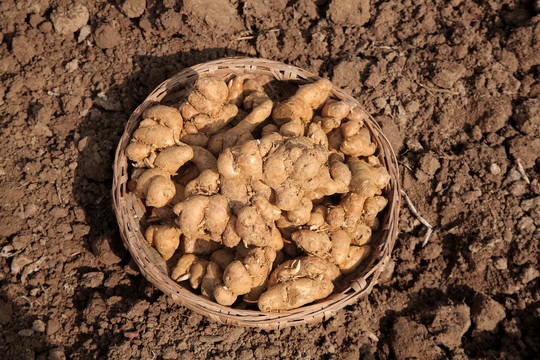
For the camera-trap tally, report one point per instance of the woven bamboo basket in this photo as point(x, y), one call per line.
point(131, 212)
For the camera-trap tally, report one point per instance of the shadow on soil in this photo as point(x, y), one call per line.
point(100, 132)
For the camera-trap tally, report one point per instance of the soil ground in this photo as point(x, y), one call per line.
point(455, 85)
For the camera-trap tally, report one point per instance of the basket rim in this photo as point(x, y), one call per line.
point(129, 210)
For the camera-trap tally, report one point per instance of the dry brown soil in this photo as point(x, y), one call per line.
point(455, 85)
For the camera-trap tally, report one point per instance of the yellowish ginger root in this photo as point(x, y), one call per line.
point(241, 132)
point(255, 223)
point(222, 257)
point(356, 140)
point(294, 293)
point(211, 280)
point(291, 168)
point(156, 186)
point(313, 242)
point(203, 217)
point(372, 206)
point(207, 106)
point(333, 112)
point(312, 267)
point(316, 133)
point(198, 246)
point(367, 180)
point(341, 242)
point(302, 213)
point(236, 278)
point(236, 90)
point(165, 238)
point(242, 276)
point(357, 254)
point(241, 161)
point(161, 127)
point(294, 113)
point(193, 268)
point(334, 179)
point(180, 271)
point(207, 183)
point(159, 131)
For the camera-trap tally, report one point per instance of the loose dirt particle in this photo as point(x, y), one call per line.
point(410, 339)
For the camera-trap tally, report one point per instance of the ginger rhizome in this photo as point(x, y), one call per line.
point(255, 199)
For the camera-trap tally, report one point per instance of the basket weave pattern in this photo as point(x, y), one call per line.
point(130, 211)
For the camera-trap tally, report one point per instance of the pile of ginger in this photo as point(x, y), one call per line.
point(255, 200)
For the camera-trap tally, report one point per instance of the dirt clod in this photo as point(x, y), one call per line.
point(134, 8)
point(450, 324)
point(70, 20)
point(486, 313)
point(412, 340)
point(349, 12)
point(106, 36)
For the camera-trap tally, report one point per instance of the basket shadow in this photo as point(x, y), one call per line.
point(96, 140)
point(103, 126)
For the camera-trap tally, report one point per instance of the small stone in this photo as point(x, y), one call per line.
point(26, 332)
point(495, 169)
point(30, 210)
point(526, 225)
point(131, 334)
point(45, 27)
point(39, 326)
point(106, 36)
point(413, 107)
point(133, 8)
point(495, 114)
point(53, 326)
point(380, 103)
point(530, 204)
point(86, 30)
point(67, 22)
point(518, 188)
point(500, 263)
point(486, 313)
point(471, 196)
point(331, 349)
point(93, 279)
point(386, 275)
point(95, 309)
point(429, 164)
point(529, 274)
point(72, 65)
